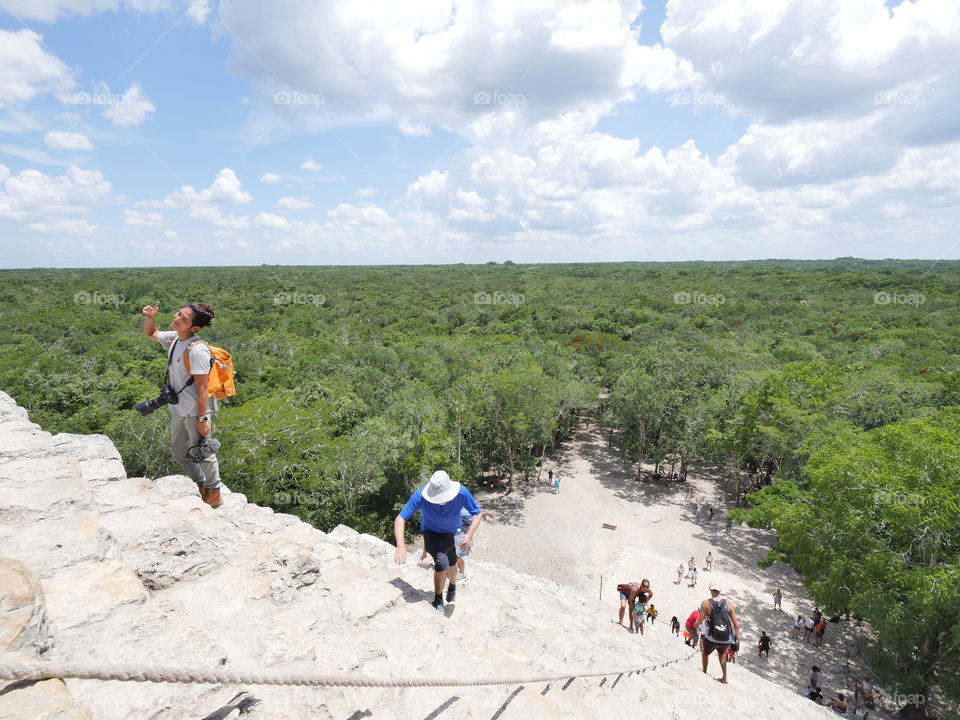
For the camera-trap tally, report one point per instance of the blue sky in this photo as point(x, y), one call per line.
point(171, 132)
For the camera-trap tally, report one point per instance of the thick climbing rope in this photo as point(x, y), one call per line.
point(19, 670)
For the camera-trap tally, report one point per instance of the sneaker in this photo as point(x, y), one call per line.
point(438, 603)
point(451, 593)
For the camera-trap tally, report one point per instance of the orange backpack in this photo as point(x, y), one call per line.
point(221, 384)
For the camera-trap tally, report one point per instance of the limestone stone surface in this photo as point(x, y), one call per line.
point(140, 573)
point(23, 613)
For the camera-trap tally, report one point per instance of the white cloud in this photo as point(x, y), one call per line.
point(31, 195)
point(27, 69)
point(135, 218)
point(60, 140)
point(75, 226)
point(311, 164)
point(269, 220)
point(366, 192)
point(129, 109)
point(225, 189)
point(792, 59)
point(447, 62)
point(294, 203)
point(204, 205)
point(270, 178)
point(51, 10)
point(199, 11)
point(809, 151)
point(408, 127)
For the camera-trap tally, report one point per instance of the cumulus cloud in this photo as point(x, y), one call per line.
point(294, 203)
point(74, 226)
point(129, 109)
point(311, 164)
point(269, 220)
point(51, 10)
point(28, 69)
point(33, 196)
point(136, 218)
point(448, 62)
point(408, 127)
point(204, 205)
point(270, 178)
point(786, 60)
point(61, 140)
point(199, 11)
point(366, 192)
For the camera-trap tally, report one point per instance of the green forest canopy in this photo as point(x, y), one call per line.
point(354, 382)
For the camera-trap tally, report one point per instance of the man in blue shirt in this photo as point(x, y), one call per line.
point(439, 503)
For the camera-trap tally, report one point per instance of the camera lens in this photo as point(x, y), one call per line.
point(148, 406)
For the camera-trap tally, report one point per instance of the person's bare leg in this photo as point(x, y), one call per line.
point(623, 606)
point(438, 582)
point(723, 666)
point(461, 566)
point(705, 658)
point(451, 576)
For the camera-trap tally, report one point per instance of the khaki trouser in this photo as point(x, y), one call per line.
point(184, 435)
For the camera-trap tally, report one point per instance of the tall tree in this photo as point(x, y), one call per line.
point(873, 525)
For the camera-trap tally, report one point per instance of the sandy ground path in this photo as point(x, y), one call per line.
point(562, 537)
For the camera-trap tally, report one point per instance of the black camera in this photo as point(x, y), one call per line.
point(167, 396)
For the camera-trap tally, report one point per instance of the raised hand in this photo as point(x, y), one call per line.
point(150, 311)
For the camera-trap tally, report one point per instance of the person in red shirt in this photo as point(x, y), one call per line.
point(692, 628)
point(818, 630)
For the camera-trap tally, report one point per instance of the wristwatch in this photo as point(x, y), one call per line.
point(203, 418)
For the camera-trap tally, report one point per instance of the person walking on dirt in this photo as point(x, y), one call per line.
point(722, 629)
point(709, 560)
point(777, 597)
point(764, 645)
point(679, 573)
point(556, 483)
point(439, 503)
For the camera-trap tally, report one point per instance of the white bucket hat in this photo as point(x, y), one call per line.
point(441, 489)
point(715, 586)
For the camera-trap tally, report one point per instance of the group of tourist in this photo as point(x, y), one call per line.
point(692, 574)
point(813, 626)
point(634, 597)
point(863, 690)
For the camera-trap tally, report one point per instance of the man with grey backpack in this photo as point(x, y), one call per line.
point(722, 629)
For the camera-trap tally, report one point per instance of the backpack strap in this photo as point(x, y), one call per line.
point(186, 362)
point(186, 358)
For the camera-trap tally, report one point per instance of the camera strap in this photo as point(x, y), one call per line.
point(166, 378)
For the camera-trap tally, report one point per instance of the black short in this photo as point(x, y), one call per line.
point(709, 647)
point(443, 549)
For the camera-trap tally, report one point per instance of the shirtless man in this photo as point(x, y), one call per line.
point(629, 593)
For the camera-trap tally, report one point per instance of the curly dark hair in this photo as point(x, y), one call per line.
point(202, 314)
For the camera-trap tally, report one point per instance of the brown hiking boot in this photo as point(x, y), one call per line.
point(203, 492)
point(211, 496)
